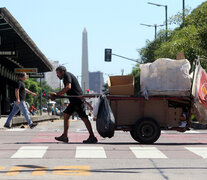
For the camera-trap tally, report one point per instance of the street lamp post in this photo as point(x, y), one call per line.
point(155, 26)
point(160, 5)
point(183, 13)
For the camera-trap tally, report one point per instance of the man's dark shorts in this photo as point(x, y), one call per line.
point(78, 107)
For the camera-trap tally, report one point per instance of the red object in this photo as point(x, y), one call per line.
point(32, 108)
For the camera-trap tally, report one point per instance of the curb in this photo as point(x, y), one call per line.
point(21, 120)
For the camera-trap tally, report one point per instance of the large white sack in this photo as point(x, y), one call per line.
point(165, 77)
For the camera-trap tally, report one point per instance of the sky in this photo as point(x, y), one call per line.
point(56, 27)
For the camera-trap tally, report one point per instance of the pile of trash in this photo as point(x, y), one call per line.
point(165, 77)
point(171, 78)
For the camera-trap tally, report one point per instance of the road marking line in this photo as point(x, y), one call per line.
point(72, 170)
point(30, 152)
point(82, 130)
point(39, 171)
point(16, 129)
point(2, 167)
point(90, 152)
point(13, 171)
point(191, 132)
point(147, 152)
point(200, 151)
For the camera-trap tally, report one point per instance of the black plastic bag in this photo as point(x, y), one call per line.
point(105, 122)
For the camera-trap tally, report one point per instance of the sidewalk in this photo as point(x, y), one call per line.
point(18, 120)
point(2, 121)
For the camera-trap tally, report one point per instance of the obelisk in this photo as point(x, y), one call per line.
point(85, 74)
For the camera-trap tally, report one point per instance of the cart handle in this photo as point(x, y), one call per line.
point(78, 96)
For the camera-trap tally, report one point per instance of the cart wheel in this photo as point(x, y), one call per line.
point(132, 135)
point(146, 131)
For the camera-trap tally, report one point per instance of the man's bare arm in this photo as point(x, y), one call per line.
point(64, 90)
point(30, 92)
point(17, 95)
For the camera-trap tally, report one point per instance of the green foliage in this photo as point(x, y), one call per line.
point(177, 19)
point(136, 74)
point(148, 52)
point(190, 39)
point(183, 40)
point(105, 89)
point(34, 86)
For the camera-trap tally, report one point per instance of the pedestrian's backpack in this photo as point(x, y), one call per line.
point(105, 122)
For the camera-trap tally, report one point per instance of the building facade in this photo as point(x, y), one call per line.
point(51, 77)
point(96, 82)
point(17, 50)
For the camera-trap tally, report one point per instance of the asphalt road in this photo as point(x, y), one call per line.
point(35, 154)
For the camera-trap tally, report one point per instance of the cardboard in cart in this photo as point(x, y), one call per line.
point(121, 85)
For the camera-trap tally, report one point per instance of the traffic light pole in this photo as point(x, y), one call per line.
point(124, 57)
point(108, 54)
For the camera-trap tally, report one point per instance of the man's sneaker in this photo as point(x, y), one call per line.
point(33, 125)
point(6, 126)
point(91, 140)
point(62, 138)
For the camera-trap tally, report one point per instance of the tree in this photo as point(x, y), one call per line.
point(183, 40)
point(105, 89)
point(136, 74)
point(33, 85)
point(148, 52)
point(190, 39)
point(177, 19)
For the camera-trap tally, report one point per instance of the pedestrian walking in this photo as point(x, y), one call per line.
point(19, 104)
point(72, 87)
point(32, 109)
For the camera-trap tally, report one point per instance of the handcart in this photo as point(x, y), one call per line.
point(145, 119)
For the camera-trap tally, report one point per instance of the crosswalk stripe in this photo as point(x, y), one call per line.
point(200, 151)
point(99, 152)
point(176, 132)
point(90, 152)
point(191, 132)
point(16, 129)
point(30, 152)
point(147, 152)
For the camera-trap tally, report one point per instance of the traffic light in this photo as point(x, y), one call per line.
point(108, 53)
point(43, 92)
point(88, 91)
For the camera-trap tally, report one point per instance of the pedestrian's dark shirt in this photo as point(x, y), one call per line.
point(22, 93)
point(75, 87)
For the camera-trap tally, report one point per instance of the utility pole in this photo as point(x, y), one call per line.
point(165, 6)
point(183, 13)
point(155, 26)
